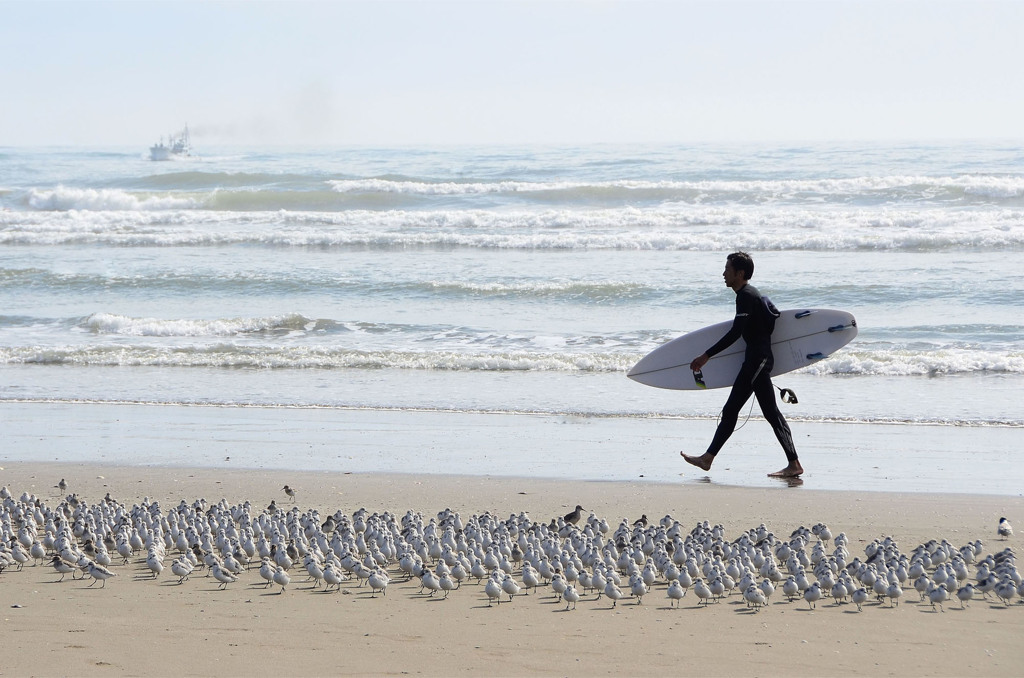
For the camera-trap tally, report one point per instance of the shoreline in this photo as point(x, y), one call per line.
point(837, 456)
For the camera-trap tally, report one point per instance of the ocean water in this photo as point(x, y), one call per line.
point(508, 280)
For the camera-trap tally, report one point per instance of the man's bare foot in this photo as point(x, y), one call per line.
point(703, 462)
point(793, 470)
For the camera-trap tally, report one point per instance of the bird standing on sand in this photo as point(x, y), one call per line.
point(155, 563)
point(530, 578)
point(332, 577)
point(509, 586)
point(429, 581)
point(703, 592)
point(447, 583)
point(571, 596)
point(1006, 590)
point(266, 571)
point(222, 575)
point(675, 592)
point(63, 567)
point(181, 568)
point(20, 555)
point(767, 588)
point(638, 588)
point(755, 597)
point(791, 589)
point(717, 588)
point(62, 486)
point(573, 516)
point(281, 578)
point(859, 597)
point(839, 592)
point(1005, 530)
point(894, 592)
point(937, 595)
point(964, 594)
point(378, 581)
point(37, 551)
point(812, 595)
point(290, 492)
point(558, 584)
point(612, 592)
point(99, 573)
point(493, 590)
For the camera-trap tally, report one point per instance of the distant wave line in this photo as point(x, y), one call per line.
point(224, 192)
point(627, 229)
point(992, 186)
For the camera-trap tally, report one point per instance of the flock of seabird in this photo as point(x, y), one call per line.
point(577, 557)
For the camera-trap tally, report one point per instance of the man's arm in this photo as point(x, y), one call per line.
point(739, 323)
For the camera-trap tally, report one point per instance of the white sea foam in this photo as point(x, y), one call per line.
point(103, 199)
point(925, 186)
point(664, 228)
point(541, 358)
point(108, 323)
point(902, 363)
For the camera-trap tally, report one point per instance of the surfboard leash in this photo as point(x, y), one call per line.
point(788, 395)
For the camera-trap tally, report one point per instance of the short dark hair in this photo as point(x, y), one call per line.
point(741, 261)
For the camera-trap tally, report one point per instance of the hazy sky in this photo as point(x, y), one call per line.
point(428, 72)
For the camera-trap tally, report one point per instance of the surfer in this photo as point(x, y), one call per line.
point(754, 323)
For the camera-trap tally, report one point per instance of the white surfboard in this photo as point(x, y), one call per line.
point(801, 337)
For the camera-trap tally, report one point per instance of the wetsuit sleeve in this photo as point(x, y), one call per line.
point(739, 323)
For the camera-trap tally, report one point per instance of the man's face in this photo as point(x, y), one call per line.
point(733, 278)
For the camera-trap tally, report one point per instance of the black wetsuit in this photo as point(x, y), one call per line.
point(754, 324)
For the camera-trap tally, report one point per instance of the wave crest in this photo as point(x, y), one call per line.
point(108, 323)
point(853, 363)
point(64, 198)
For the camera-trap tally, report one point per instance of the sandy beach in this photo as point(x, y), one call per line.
point(138, 625)
point(317, 321)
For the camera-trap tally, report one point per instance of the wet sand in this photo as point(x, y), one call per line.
point(836, 456)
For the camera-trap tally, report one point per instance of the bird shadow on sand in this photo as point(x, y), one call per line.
point(433, 599)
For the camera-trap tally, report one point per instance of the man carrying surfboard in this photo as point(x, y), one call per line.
point(754, 322)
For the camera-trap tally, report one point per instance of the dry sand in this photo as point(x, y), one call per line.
point(140, 626)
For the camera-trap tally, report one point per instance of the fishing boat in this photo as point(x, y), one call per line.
point(177, 146)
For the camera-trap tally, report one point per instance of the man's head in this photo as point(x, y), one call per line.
point(739, 267)
point(741, 263)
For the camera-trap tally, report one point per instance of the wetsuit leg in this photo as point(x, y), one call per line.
point(742, 389)
point(765, 393)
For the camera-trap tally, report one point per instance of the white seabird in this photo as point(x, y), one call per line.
point(98, 572)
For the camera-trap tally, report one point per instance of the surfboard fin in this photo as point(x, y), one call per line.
point(698, 378)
